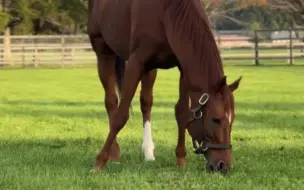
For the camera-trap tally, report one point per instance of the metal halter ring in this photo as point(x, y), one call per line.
point(204, 148)
point(203, 99)
point(197, 116)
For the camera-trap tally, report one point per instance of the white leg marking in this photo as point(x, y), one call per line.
point(148, 145)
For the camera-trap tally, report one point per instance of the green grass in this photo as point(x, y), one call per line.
point(53, 123)
point(261, 51)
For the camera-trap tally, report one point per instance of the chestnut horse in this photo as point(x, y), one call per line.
point(162, 34)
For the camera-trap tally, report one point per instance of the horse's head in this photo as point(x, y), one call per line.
point(211, 125)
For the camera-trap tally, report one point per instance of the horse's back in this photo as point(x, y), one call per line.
point(122, 24)
point(110, 20)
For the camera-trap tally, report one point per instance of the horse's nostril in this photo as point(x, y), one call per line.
point(221, 166)
point(218, 167)
point(211, 168)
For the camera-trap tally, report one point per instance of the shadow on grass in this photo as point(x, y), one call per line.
point(51, 103)
point(158, 114)
point(79, 155)
point(255, 112)
point(273, 106)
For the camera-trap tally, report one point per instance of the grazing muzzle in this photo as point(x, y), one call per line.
point(200, 140)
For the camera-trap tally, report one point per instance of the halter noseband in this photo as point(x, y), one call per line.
point(206, 143)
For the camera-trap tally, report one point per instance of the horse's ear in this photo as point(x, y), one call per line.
point(235, 84)
point(222, 82)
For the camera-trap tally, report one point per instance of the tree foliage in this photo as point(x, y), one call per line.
point(255, 14)
point(4, 19)
point(70, 16)
point(44, 16)
point(292, 9)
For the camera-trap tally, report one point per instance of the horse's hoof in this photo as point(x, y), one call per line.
point(149, 158)
point(94, 171)
point(114, 159)
point(181, 162)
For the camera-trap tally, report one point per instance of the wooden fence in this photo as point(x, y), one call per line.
point(259, 45)
point(47, 50)
point(75, 49)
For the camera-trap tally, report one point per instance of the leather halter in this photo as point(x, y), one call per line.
point(206, 143)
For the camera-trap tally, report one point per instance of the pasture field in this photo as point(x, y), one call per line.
point(53, 123)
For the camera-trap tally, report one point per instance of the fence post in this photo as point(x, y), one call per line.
point(219, 41)
point(256, 48)
point(7, 47)
point(35, 56)
point(23, 56)
point(290, 48)
point(62, 50)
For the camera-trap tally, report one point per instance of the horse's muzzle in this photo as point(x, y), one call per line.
point(220, 166)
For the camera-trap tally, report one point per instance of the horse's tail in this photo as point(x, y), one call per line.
point(120, 67)
point(90, 5)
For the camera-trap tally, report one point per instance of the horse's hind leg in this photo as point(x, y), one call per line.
point(133, 73)
point(106, 73)
point(146, 102)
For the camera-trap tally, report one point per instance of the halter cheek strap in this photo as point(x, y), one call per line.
point(201, 146)
point(205, 145)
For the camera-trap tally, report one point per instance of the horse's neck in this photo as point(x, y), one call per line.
point(212, 67)
point(192, 40)
point(206, 73)
point(207, 68)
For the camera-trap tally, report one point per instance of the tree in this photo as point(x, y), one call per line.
point(4, 19)
point(292, 9)
point(21, 16)
point(219, 10)
point(51, 17)
point(44, 16)
point(78, 12)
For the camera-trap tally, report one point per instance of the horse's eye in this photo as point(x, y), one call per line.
point(217, 121)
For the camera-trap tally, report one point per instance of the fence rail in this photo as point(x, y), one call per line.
point(76, 49)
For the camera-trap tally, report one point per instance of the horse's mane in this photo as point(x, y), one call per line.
point(191, 22)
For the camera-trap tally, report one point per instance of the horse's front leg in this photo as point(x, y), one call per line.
point(181, 117)
point(133, 73)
